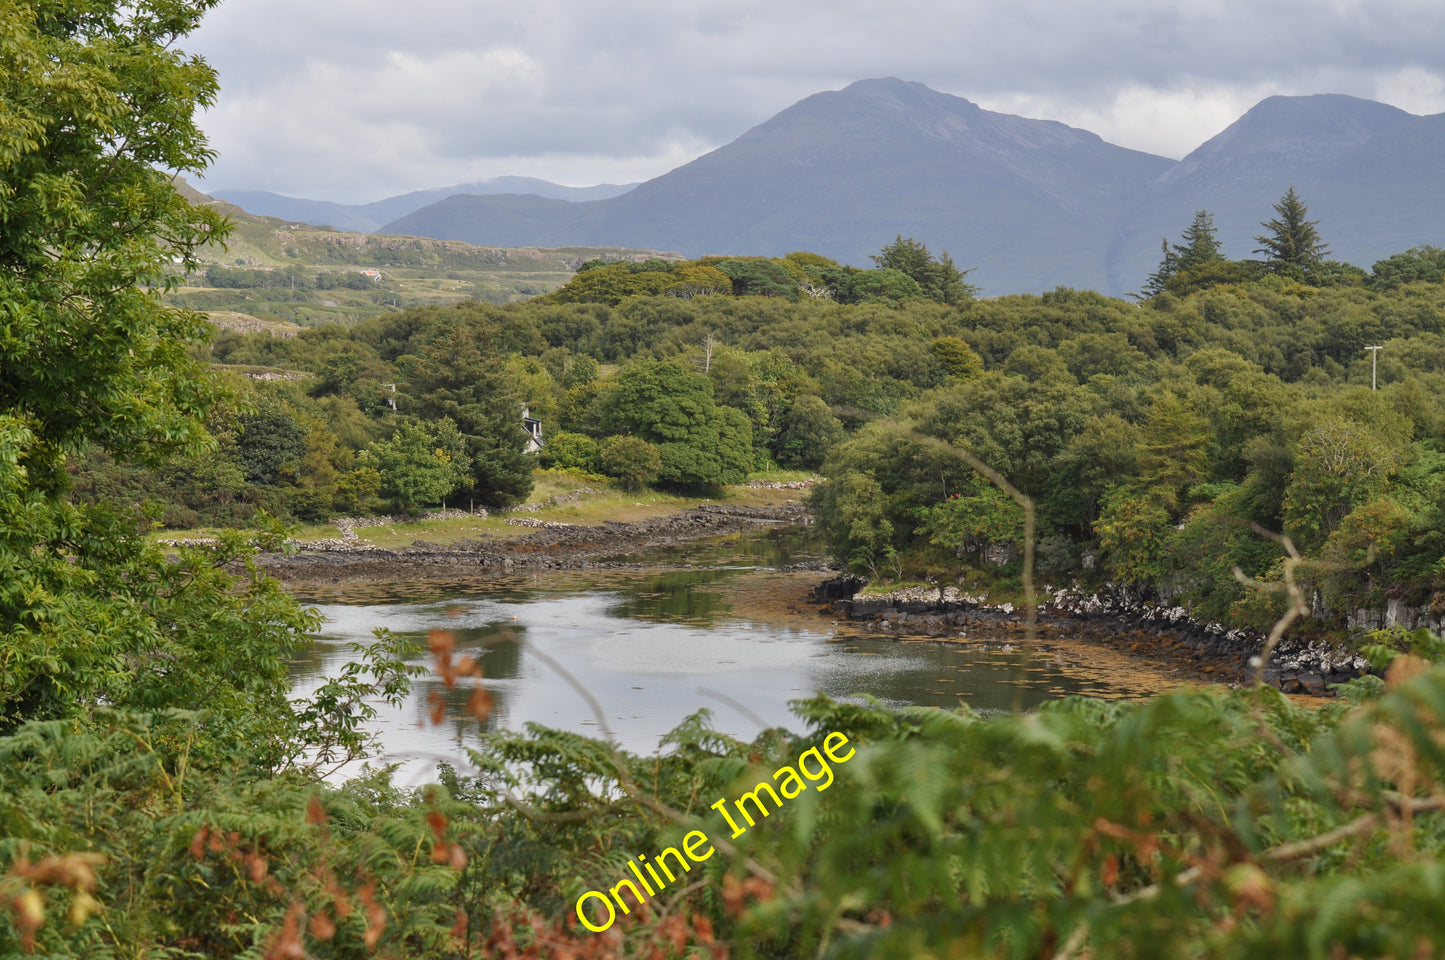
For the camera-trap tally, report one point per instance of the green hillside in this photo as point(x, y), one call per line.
point(278, 270)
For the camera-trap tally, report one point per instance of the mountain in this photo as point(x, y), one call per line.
point(842, 173)
point(1348, 159)
point(368, 216)
point(1031, 204)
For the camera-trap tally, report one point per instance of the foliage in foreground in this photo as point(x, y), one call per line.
point(1202, 823)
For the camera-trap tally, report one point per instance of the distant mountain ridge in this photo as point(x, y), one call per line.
point(1031, 204)
point(367, 217)
point(842, 173)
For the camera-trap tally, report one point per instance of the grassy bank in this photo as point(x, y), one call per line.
point(558, 496)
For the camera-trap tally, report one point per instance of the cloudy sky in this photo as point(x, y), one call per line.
point(356, 100)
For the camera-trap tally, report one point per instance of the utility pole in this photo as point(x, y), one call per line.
point(1374, 365)
point(391, 399)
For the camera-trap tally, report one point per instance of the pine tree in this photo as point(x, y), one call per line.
point(459, 376)
point(1168, 267)
point(1200, 247)
point(1293, 243)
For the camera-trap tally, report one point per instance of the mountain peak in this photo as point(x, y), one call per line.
point(897, 89)
point(1031, 204)
point(1303, 129)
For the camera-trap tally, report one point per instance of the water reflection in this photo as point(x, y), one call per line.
point(989, 677)
point(672, 597)
point(653, 646)
point(768, 547)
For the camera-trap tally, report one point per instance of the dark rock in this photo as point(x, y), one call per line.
point(841, 587)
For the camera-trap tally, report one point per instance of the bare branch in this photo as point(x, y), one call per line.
point(1297, 606)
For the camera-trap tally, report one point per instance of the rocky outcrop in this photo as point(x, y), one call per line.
point(782, 484)
point(1297, 666)
point(1398, 613)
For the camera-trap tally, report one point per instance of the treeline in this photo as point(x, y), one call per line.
point(701, 398)
point(292, 278)
point(904, 270)
point(1221, 823)
point(1292, 247)
point(1152, 437)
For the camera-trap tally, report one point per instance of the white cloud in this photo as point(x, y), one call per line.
point(1414, 89)
point(1169, 123)
point(359, 99)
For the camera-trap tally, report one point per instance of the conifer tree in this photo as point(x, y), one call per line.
point(1200, 247)
point(1168, 267)
point(1293, 243)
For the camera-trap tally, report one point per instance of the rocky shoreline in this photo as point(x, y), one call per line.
point(1297, 666)
point(1150, 631)
point(553, 546)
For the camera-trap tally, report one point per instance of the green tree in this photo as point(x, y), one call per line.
point(1173, 451)
point(1103, 455)
point(974, 519)
point(421, 464)
point(1201, 244)
point(571, 450)
point(1292, 245)
point(461, 377)
point(758, 278)
point(359, 490)
point(1199, 249)
point(1363, 549)
point(632, 460)
point(1035, 363)
point(269, 442)
point(908, 471)
point(96, 106)
point(700, 281)
point(672, 407)
point(1424, 264)
point(957, 357)
point(806, 434)
point(98, 111)
point(578, 372)
point(1338, 465)
point(1013, 425)
point(1132, 530)
point(613, 283)
point(885, 285)
point(1215, 540)
point(860, 529)
point(938, 277)
point(1168, 267)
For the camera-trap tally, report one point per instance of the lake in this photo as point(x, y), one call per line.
point(722, 628)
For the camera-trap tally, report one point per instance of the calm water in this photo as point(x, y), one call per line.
point(730, 633)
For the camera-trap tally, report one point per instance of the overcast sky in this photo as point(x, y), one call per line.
point(356, 100)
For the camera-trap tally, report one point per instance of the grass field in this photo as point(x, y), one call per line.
point(598, 500)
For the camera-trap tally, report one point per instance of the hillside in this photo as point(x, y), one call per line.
point(275, 269)
point(368, 217)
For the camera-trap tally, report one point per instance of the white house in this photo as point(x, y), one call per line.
point(533, 426)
